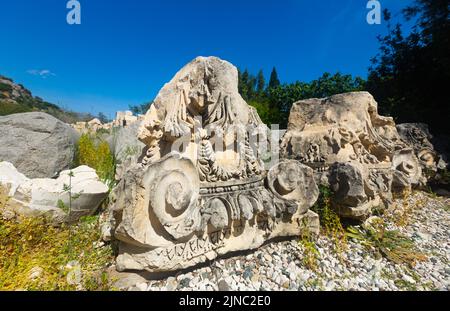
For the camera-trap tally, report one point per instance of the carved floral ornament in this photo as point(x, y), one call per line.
point(352, 149)
point(202, 189)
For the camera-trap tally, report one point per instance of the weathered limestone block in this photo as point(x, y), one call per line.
point(200, 105)
point(124, 118)
point(355, 151)
point(125, 143)
point(406, 171)
point(38, 144)
point(73, 194)
point(418, 137)
point(126, 147)
point(168, 221)
point(92, 126)
point(201, 189)
point(354, 195)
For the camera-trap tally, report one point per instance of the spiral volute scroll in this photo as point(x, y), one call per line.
point(174, 193)
point(407, 166)
point(292, 181)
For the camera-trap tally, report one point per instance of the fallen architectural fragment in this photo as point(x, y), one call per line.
point(355, 151)
point(200, 189)
point(73, 194)
point(124, 118)
point(418, 137)
point(91, 126)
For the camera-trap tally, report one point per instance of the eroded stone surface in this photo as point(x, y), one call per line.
point(353, 149)
point(201, 189)
point(418, 137)
point(38, 144)
point(73, 194)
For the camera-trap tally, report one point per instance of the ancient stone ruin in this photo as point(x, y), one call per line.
point(91, 126)
point(355, 151)
point(418, 136)
point(200, 189)
point(124, 118)
point(74, 194)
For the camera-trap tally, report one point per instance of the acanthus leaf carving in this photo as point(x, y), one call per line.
point(201, 189)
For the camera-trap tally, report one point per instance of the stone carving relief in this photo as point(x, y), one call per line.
point(201, 189)
point(418, 137)
point(353, 149)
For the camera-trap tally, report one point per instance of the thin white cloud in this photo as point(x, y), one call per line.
point(44, 73)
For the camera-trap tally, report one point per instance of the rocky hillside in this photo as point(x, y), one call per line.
point(15, 98)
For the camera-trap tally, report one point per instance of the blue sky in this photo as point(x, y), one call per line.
point(124, 51)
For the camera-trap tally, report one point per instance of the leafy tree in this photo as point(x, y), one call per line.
point(103, 118)
point(140, 109)
point(285, 95)
point(268, 114)
point(409, 75)
point(274, 104)
point(328, 85)
point(247, 85)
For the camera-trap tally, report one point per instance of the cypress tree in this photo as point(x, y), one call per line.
point(261, 82)
point(274, 81)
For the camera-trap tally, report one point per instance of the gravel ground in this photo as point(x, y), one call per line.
point(279, 266)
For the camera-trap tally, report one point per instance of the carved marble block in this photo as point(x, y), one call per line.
point(418, 137)
point(355, 151)
point(200, 189)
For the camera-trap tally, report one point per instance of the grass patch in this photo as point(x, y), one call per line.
point(37, 256)
point(330, 221)
point(390, 244)
point(311, 255)
point(401, 214)
point(331, 227)
point(315, 282)
point(402, 284)
point(7, 108)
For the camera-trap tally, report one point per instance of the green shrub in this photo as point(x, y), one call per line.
point(97, 155)
point(5, 87)
point(330, 222)
point(269, 115)
point(311, 255)
point(7, 108)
